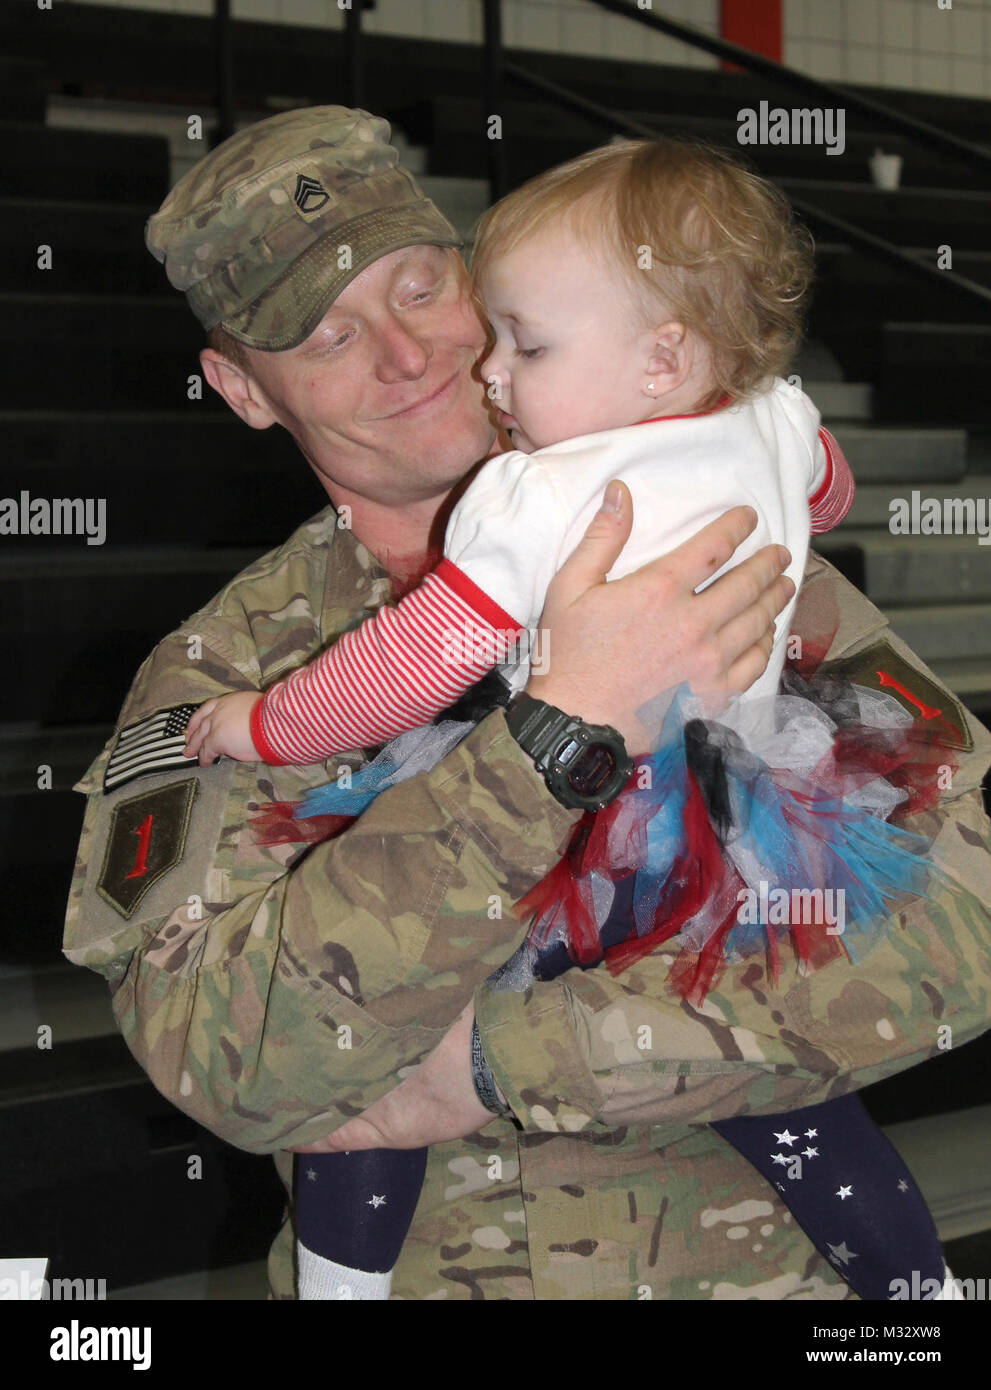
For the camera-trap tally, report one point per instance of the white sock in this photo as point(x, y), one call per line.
point(951, 1289)
point(323, 1279)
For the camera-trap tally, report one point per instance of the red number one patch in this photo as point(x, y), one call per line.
point(143, 833)
point(927, 711)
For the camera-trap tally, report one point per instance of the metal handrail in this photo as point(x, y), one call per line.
point(922, 131)
point(355, 57)
point(492, 55)
point(224, 70)
point(876, 245)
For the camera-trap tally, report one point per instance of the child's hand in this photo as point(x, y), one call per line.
point(222, 726)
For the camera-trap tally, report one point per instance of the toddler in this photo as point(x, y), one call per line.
point(645, 302)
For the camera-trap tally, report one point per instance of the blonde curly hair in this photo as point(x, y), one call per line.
point(693, 232)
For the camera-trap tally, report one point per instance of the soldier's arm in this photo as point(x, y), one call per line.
point(589, 1049)
point(272, 992)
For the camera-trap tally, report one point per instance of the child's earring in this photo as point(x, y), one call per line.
point(650, 386)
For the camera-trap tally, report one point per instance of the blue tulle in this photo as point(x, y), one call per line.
point(416, 750)
point(333, 799)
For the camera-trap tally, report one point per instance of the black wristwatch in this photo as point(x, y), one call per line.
point(584, 765)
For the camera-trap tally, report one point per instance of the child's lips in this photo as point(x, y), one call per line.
point(507, 421)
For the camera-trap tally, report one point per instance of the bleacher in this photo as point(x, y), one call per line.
point(96, 357)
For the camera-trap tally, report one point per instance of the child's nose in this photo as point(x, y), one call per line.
point(494, 377)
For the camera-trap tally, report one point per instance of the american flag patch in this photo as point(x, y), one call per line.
point(154, 744)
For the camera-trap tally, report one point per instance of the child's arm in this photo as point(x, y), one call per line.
point(833, 495)
point(395, 672)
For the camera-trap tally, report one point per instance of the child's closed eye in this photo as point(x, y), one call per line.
point(529, 352)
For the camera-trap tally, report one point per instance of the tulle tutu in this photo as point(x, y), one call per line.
point(742, 841)
point(761, 830)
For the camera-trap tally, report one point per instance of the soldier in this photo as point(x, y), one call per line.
point(272, 993)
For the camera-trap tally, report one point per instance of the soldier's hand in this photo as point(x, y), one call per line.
point(436, 1102)
point(222, 727)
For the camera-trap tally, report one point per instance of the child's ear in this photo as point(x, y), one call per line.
point(670, 358)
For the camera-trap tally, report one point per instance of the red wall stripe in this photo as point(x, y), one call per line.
point(754, 24)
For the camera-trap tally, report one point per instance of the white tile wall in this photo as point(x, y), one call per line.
point(824, 21)
point(863, 68)
point(897, 68)
point(902, 43)
point(582, 30)
point(898, 23)
point(826, 60)
point(932, 74)
point(862, 24)
point(969, 76)
point(406, 17)
point(532, 24)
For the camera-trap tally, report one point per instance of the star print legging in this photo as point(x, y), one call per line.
point(356, 1208)
point(847, 1188)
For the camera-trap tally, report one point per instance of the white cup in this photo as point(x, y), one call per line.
point(886, 169)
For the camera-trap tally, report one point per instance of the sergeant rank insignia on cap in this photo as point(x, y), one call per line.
point(310, 195)
point(154, 744)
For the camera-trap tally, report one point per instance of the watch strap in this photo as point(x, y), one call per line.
point(481, 1075)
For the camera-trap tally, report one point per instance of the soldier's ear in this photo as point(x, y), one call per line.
point(241, 392)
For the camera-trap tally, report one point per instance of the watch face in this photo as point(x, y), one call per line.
point(593, 770)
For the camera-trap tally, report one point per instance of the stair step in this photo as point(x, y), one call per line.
point(42, 161)
point(259, 486)
point(96, 245)
point(946, 633)
point(23, 90)
point(872, 506)
point(74, 1003)
point(130, 1151)
point(67, 751)
point(846, 264)
point(971, 681)
point(919, 215)
point(461, 200)
point(39, 833)
point(948, 1159)
point(885, 453)
point(934, 372)
point(841, 401)
point(88, 619)
point(122, 352)
point(915, 569)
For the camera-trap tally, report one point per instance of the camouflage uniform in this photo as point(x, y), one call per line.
point(312, 977)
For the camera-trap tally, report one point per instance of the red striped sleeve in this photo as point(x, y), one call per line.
point(834, 497)
point(395, 672)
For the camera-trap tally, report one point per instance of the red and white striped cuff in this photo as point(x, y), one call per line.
point(834, 498)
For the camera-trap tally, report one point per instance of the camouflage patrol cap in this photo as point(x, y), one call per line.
point(266, 230)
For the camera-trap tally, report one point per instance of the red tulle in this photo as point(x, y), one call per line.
point(275, 824)
point(699, 875)
point(917, 760)
point(564, 897)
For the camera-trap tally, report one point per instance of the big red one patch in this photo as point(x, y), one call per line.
point(147, 838)
point(879, 667)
